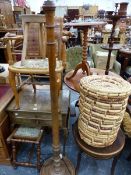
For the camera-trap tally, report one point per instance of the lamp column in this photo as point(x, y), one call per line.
point(55, 165)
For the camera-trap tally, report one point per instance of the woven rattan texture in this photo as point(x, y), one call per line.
point(102, 104)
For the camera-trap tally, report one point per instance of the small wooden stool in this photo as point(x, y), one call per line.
point(26, 135)
point(108, 152)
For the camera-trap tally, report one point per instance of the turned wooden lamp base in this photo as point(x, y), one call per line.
point(66, 167)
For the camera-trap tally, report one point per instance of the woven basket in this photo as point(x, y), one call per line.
point(102, 104)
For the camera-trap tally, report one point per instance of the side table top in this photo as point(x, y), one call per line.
point(80, 24)
point(125, 50)
point(100, 153)
point(40, 102)
point(73, 83)
point(114, 47)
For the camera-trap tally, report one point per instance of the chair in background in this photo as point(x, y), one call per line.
point(74, 58)
point(99, 57)
point(33, 61)
point(62, 36)
point(61, 39)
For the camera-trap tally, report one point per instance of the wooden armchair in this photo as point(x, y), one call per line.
point(33, 61)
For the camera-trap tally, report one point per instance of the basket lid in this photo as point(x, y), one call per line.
point(106, 84)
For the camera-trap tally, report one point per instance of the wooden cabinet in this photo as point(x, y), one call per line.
point(4, 133)
point(5, 96)
point(6, 10)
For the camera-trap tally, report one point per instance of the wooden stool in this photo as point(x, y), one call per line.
point(108, 152)
point(26, 135)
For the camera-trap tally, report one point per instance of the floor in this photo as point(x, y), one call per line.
point(89, 166)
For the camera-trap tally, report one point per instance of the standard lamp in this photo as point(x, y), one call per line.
point(56, 165)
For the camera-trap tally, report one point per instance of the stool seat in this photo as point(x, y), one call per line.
point(99, 153)
point(27, 133)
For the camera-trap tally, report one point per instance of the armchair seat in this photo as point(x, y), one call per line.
point(31, 65)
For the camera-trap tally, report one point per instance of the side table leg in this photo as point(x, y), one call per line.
point(114, 162)
point(78, 161)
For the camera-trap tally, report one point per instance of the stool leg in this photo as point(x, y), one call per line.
point(78, 161)
point(114, 164)
point(38, 156)
point(14, 154)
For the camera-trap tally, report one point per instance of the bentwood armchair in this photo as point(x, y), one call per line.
point(33, 61)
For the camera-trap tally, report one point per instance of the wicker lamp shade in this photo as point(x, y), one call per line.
point(102, 104)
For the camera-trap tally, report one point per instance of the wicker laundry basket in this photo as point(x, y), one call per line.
point(102, 104)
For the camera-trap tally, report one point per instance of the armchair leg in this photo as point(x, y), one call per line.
point(33, 85)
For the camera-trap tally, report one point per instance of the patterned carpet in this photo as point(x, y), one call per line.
point(89, 166)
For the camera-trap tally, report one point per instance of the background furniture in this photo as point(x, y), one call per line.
point(18, 11)
point(112, 151)
point(125, 59)
point(26, 135)
point(72, 14)
point(93, 52)
point(6, 10)
point(115, 17)
point(88, 11)
point(6, 95)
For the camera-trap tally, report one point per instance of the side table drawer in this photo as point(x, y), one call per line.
point(32, 119)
